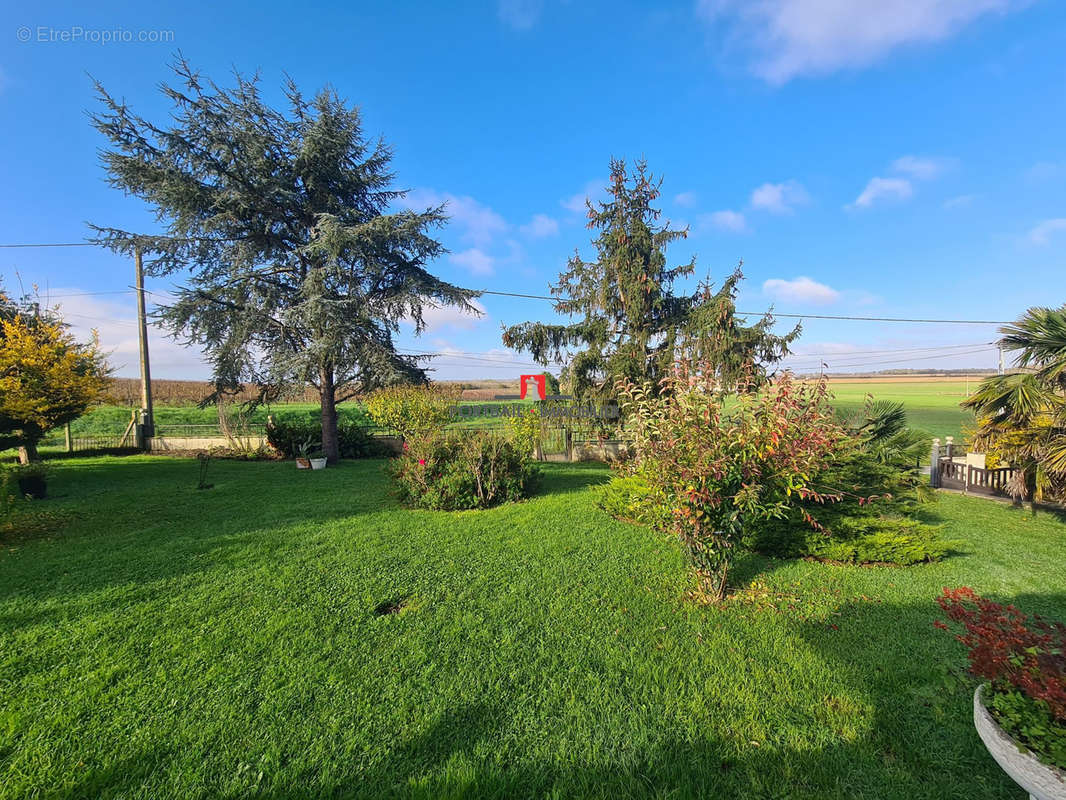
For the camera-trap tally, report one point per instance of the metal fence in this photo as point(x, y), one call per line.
point(559, 441)
point(112, 441)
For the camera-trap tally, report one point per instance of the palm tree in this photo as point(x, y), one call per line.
point(1021, 416)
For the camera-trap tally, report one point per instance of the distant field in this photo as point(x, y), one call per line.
point(932, 403)
point(932, 406)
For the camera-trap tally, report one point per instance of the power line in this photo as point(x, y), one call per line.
point(98, 319)
point(49, 296)
point(906, 360)
point(850, 353)
point(790, 316)
point(51, 244)
point(565, 299)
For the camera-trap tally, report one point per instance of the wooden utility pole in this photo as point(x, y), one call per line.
point(142, 327)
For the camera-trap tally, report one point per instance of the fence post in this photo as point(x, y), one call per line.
point(966, 479)
point(569, 443)
point(949, 442)
point(68, 442)
point(934, 465)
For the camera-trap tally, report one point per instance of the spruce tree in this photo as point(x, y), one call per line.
point(630, 323)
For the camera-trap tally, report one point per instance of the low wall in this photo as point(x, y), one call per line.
point(610, 450)
point(166, 443)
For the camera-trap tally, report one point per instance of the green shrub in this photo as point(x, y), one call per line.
point(722, 463)
point(525, 428)
point(454, 470)
point(874, 476)
point(854, 540)
point(287, 435)
point(413, 410)
point(633, 498)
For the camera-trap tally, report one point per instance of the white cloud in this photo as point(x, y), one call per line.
point(593, 190)
point(540, 227)
point(779, 198)
point(475, 260)
point(685, 199)
point(919, 168)
point(790, 38)
point(115, 321)
point(883, 188)
point(922, 168)
point(478, 224)
point(1041, 234)
point(437, 317)
point(800, 290)
point(725, 220)
point(521, 15)
point(959, 201)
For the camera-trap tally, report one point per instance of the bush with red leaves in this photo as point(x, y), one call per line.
point(1023, 657)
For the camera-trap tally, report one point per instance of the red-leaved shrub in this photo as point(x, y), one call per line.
point(1009, 647)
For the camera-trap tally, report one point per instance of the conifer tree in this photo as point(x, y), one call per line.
point(629, 322)
point(278, 220)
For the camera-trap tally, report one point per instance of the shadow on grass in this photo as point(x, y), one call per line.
point(565, 478)
point(915, 740)
point(131, 523)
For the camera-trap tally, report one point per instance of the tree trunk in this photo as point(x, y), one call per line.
point(328, 395)
point(28, 452)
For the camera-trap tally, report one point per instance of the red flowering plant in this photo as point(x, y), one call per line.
point(1023, 658)
point(722, 460)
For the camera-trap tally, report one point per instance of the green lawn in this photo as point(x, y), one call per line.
point(107, 420)
point(165, 642)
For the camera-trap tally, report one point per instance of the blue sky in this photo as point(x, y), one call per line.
point(893, 158)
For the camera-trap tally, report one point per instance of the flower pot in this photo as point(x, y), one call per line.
point(303, 463)
point(1041, 781)
point(318, 463)
point(33, 486)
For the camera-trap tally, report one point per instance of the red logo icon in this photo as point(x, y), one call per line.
point(538, 380)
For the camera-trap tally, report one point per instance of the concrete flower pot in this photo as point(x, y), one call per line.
point(303, 463)
point(1041, 781)
point(318, 463)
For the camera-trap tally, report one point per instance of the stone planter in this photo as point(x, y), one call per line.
point(318, 463)
point(1041, 781)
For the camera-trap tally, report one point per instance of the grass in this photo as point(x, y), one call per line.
point(159, 641)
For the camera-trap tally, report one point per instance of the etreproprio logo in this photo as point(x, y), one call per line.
point(556, 406)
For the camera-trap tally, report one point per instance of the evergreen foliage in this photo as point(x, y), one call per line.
point(279, 217)
point(629, 324)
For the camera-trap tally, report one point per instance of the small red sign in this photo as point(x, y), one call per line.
point(538, 380)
